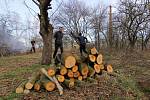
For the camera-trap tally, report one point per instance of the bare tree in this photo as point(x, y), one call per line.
point(133, 18)
point(99, 25)
point(46, 29)
point(75, 16)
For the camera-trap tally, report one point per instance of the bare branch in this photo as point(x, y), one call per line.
point(56, 9)
point(36, 3)
point(30, 10)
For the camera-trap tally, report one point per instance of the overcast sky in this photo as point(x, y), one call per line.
point(19, 6)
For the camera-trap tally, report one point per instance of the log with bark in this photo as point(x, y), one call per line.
point(99, 59)
point(20, 88)
point(97, 68)
point(92, 58)
point(48, 85)
point(70, 74)
point(26, 91)
point(60, 78)
point(37, 85)
point(101, 66)
point(60, 88)
point(70, 83)
point(75, 68)
point(76, 74)
point(32, 80)
point(63, 70)
point(70, 61)
point(51, 70)
point(91, 71)
point(83, 68)
point(94, 51)
point(108, 68)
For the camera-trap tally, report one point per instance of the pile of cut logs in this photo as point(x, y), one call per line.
point(74, 69)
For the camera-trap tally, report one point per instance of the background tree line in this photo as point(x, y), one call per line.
point(124, 26)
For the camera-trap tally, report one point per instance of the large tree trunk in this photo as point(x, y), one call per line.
point(142, 42)
point(132, 45)
point(110, 33)
point(47, 49)
point(46, 31)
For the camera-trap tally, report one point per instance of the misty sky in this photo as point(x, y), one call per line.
point(19, 6)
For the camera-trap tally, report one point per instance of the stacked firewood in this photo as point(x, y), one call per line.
point(74, 69)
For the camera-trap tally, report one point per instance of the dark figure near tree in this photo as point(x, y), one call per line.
point(33, 46)
point(82, 41)
point(58, 41)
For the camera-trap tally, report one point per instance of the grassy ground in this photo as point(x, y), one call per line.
point(132, 81)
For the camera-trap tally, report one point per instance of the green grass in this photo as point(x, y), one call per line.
point(12, 96)
point(130, 86)
point(12, 60)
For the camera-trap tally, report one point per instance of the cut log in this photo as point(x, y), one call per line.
point(70, 73)
point(92, 58)
point(99, 59)
point(48, 85)
point(80, 78)
point(70, 61)
point(108, 68)
point(54, 80)
point(83, 68)
point(60, 78)
point(94, 51)
point(26, 91)
point(63, 70)
point(97, 68)
point(76, 74)
point(32, 80)
point(37, 85)
point(101, 66)
point(69, 83)
point(75, 68)
point(51, 70)
point(20, 88)
point(60, 88)
point(44, 72)
point(91, 71)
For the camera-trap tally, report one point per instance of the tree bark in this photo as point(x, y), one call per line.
point(47, 49)
point(46, 31)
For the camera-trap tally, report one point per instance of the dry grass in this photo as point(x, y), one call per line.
point(131, 72)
